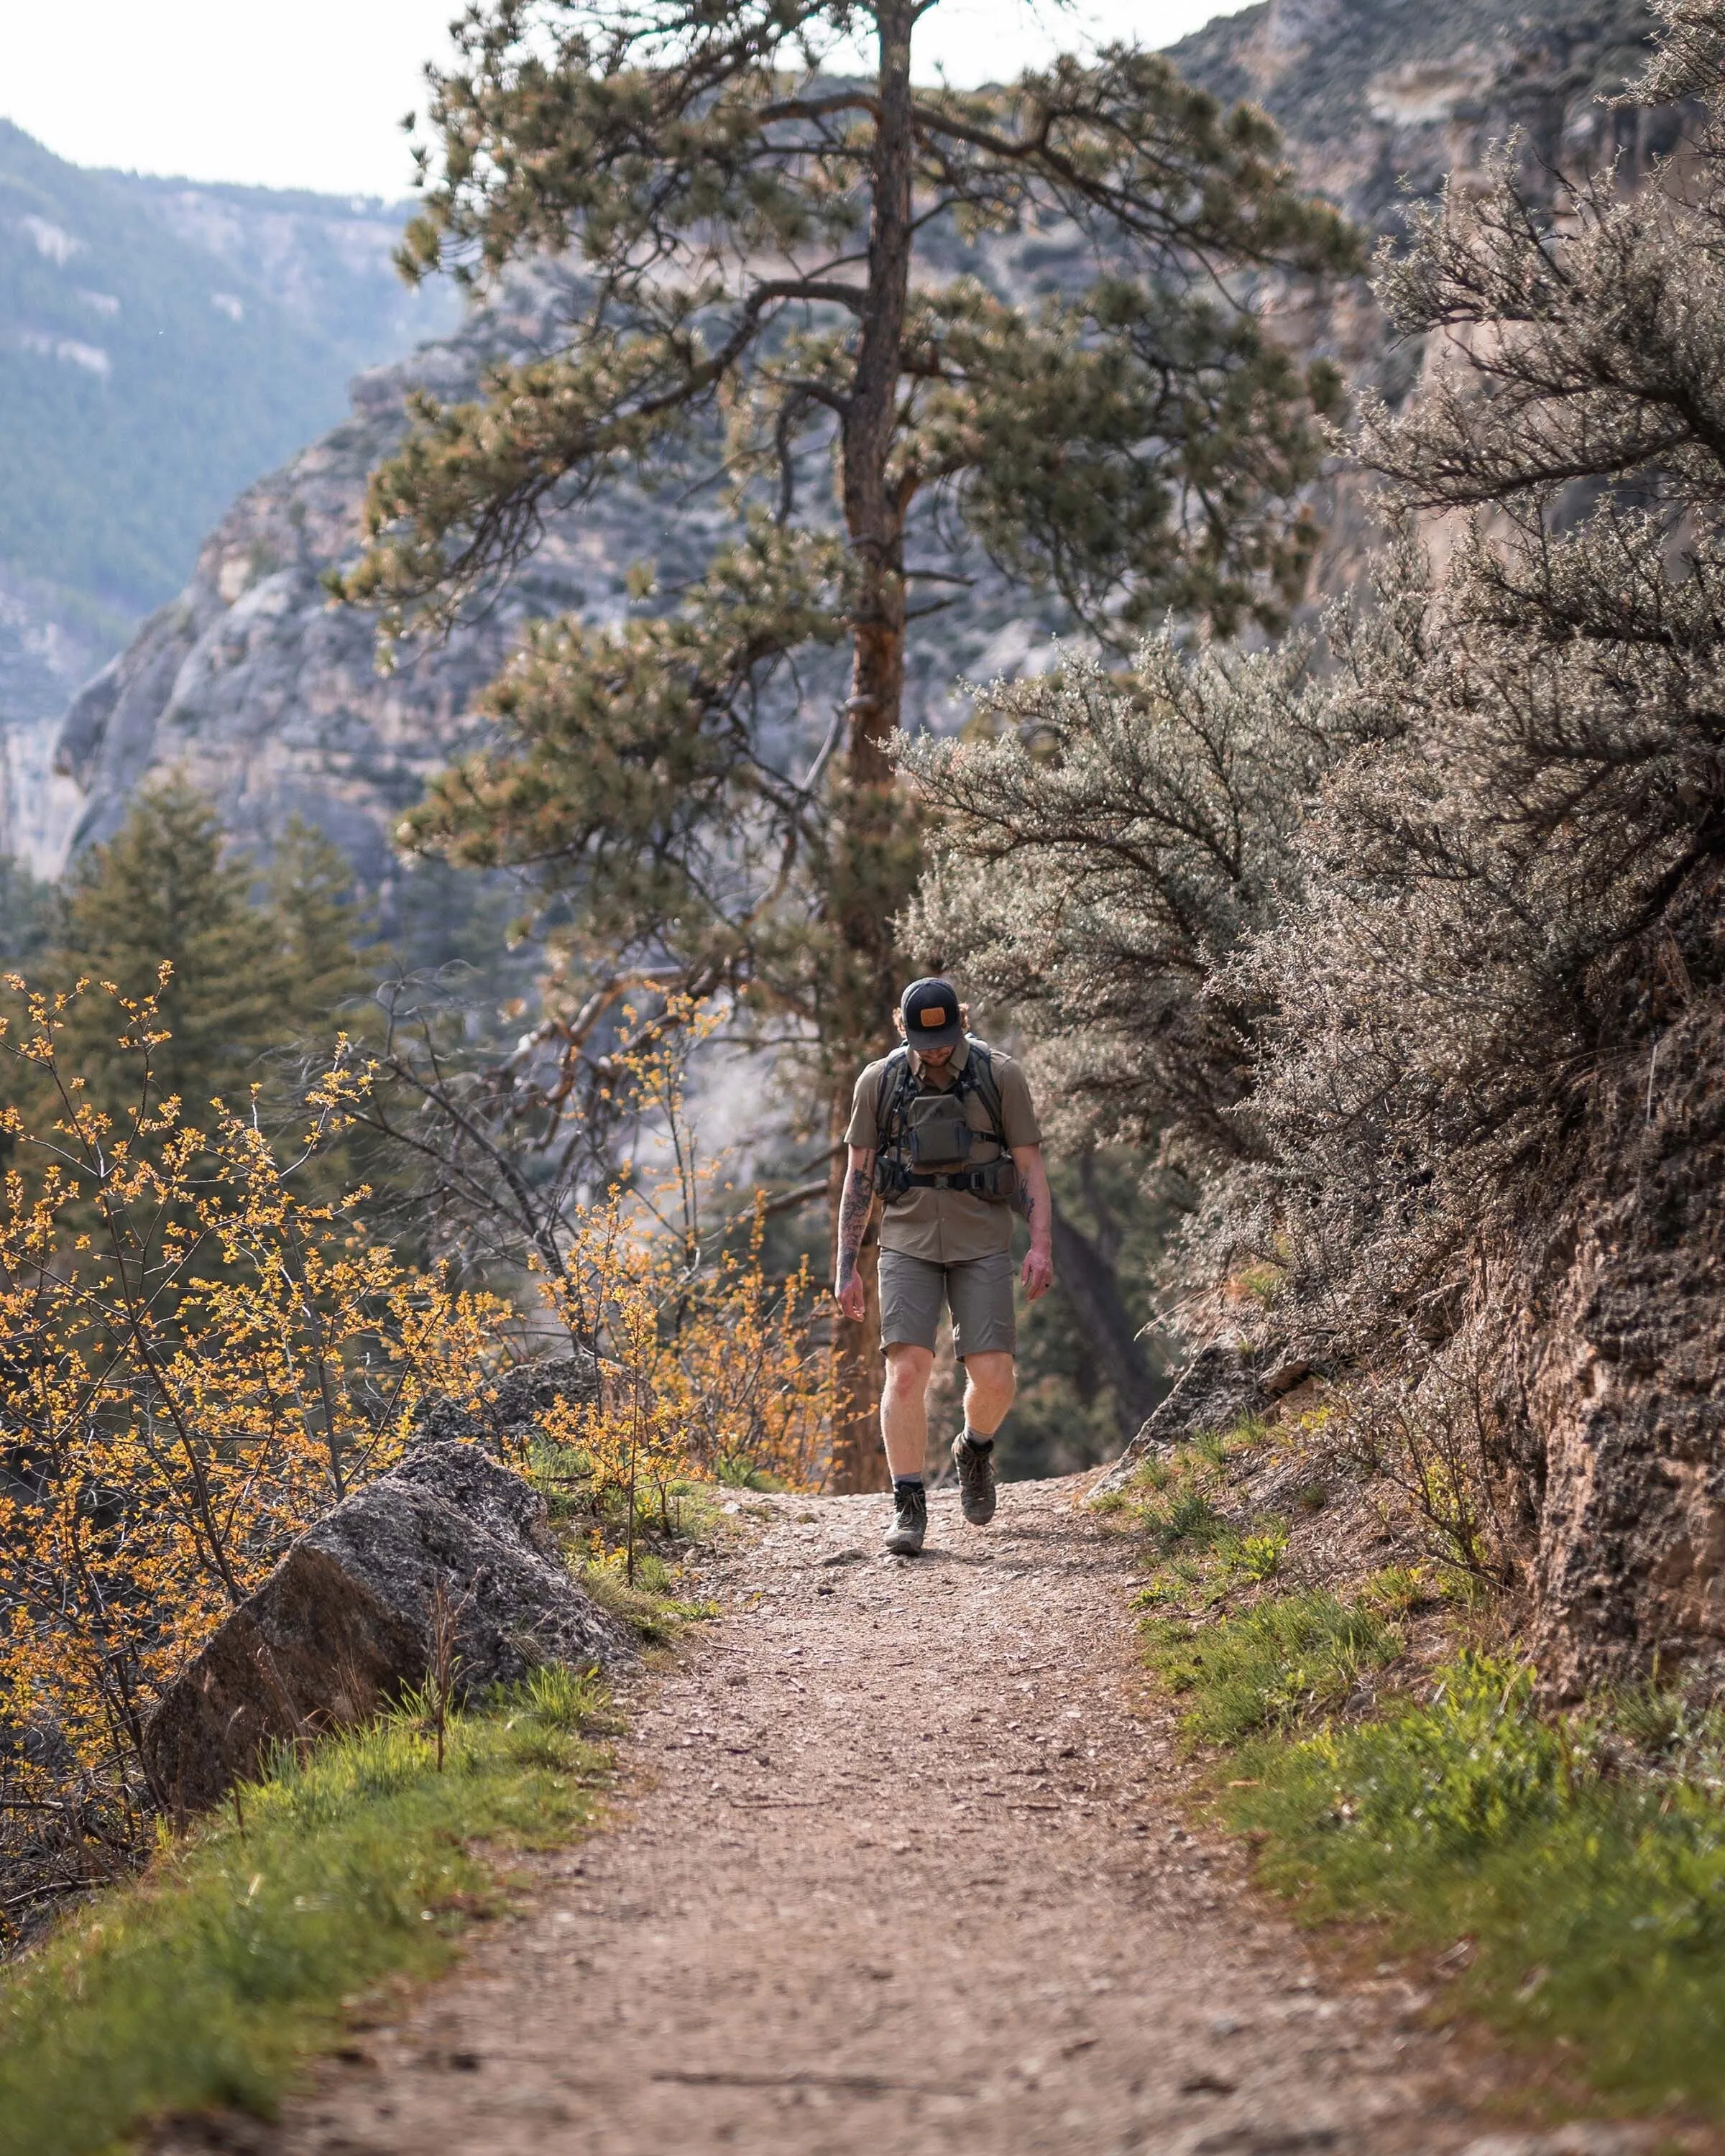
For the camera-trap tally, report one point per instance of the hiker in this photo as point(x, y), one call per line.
point(944, 1132)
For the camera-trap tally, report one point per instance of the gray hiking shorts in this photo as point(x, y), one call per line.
point(978, 1293)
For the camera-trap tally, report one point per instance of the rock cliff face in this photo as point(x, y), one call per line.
point(1381, 100)
point(1369, 94)
point(269, 701)
point(1625, 1381)
point(267, 697)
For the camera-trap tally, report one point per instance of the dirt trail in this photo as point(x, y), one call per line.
point(896, 1867)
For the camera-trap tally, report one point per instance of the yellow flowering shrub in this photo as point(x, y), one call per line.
point(194, 1362)
point(710, 1369)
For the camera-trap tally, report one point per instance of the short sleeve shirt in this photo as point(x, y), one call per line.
point(950, 1227)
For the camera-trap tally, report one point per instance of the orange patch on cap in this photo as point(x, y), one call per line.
point(935, 1017)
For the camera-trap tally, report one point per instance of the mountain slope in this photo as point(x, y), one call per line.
point(154, 360)
point(161, 344)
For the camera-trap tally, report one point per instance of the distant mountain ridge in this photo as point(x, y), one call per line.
point(161, 344)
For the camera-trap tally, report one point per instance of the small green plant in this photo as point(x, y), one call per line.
point(651, 1606)
point(1259, 1556)
point(1186, 1520)
point(1154, 1595)
point(1312, 1497)
point(1263, 1283)
point(1397, 1590)
point(1211, 1446)
point(1651, 1715)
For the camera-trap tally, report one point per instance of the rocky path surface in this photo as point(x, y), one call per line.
point(898, 1864)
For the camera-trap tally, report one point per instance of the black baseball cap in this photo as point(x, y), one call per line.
point(929, 1011)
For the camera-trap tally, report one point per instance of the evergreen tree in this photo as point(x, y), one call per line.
point(27, 915)
point(160, 892)
point(318, 927)
point(767, 254)
point(250, 974)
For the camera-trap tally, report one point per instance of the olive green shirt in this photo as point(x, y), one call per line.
point(949, 1227)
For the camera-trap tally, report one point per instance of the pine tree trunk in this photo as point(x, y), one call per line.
point(876, 852)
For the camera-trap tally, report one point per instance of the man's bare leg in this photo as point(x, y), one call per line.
point(990, 1385)
point(904, 1407)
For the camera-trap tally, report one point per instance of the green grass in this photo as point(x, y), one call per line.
point(1274, 1665)
point(650, 1605)
point(1582, 1858)
point(211, 1979)
point(1593, 1893)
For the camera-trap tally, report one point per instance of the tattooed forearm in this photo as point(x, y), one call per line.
point(859, 1194)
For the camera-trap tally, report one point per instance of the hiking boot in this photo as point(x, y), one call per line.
point(976, 1480)
point(904, 1538)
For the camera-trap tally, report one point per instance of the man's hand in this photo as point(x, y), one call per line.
point(852, 1298)
point(1037, 1272)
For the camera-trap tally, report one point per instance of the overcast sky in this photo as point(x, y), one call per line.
point(308, 93)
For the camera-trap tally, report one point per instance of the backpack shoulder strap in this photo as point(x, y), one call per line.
point(979, 1077)
point(895, 1082)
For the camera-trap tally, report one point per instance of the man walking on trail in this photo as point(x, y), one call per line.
point(944, 1132)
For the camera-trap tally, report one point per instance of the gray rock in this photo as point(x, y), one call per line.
point(345, 1624)
point(1220, 1386)
point(520, 1397)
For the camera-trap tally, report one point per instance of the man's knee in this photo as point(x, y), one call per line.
point(993, 1377)
point(908, 1368)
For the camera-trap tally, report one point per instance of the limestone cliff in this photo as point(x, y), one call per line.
point(266, 696)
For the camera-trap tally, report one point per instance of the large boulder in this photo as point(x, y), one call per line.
point(346, 1622)
point(1222, 1385)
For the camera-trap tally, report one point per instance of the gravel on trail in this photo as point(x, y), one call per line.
point(897, 1863)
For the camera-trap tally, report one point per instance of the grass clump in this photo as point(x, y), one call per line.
point(207, 1982)
point(1279, 1664)
point(1186, 1520)
point(1593, 1898)
point(649, 1605)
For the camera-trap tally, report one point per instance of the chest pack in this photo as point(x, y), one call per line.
point(925, 1139)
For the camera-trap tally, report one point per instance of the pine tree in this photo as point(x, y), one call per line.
point(767, 254)
point(160, 892)
point(319, 928)
point(251, 973)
